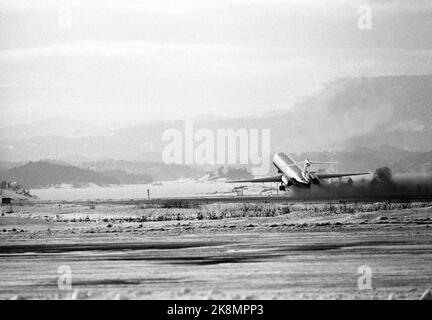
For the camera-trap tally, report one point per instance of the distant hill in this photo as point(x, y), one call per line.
point(230, 173)
point(369, 159)
point(5, 165)
point(347, 113)
point(49, 173)
point(157, 170)
point(42, 174)
point(395, 111)
point(421, 162)
point(361, 159)
point(401, 107)
point(128, 178)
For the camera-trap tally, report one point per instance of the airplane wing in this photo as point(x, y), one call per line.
point(338, 175)
point(266, 179)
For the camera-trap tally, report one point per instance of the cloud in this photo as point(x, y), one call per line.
point(301, 24)
point(98, 48)
point(197, 56)
point(327, 63)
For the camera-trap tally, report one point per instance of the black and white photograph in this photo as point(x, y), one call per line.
point(238, 151)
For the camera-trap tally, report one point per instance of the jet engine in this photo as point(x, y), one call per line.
point(285, 181)
point(314, 178)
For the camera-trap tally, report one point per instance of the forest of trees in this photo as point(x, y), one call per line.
point(231, 173)
point(41, 174)
point(44, 173)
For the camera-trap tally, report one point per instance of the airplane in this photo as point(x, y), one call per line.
point(291, 174)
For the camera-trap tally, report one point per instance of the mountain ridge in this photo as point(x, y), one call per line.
point(345, 113)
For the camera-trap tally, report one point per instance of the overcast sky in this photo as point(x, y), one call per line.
point(106, 61)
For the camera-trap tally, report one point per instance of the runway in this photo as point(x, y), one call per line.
point(254, 199)
point(235, 265)
point(290, 250)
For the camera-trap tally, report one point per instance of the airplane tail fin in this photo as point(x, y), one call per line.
point(307, 164)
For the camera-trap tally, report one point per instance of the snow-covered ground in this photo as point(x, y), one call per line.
point(179, 188)
point(131, 252)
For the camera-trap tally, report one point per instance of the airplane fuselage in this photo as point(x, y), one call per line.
point(292, 172)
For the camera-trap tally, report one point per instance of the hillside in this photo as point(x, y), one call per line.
point(128, 178)
point(393, 111)
point(347, 113)
point(157, 170)
point(42, 174)
point(5, 165)
point(405, 105)
point(416, 163)
point(367, 159)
